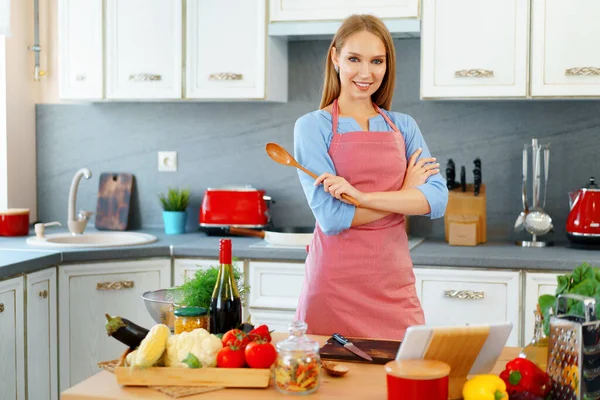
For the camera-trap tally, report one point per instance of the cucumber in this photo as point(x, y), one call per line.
point(125, 331)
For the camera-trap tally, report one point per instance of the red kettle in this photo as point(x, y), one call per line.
point(583, 222)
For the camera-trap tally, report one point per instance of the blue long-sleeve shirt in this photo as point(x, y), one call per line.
point(312, 138)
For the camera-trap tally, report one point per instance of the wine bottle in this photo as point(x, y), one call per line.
point(225, 304)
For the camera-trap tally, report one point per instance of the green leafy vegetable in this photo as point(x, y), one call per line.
point(192, 361)
point(584, 280)
point(197, 291)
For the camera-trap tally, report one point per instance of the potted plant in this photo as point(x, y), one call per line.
point(174, 205)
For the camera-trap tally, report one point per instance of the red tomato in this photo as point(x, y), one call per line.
point(260, 354)
point(260, 333)
point(230, 358)
point(235, 337)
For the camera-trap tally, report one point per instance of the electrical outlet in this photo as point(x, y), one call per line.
point(167, 161)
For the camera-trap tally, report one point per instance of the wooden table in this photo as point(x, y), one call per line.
point(364, 381)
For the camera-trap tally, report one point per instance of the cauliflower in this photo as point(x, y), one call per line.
point(199, 342)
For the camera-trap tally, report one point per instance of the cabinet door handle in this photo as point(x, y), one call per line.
point(145, 77)
point(474, 73)
point(582, 71)
point(1, 307)
point(43, 294)
point(463, 294)
point(226, 76)
point(114, 285)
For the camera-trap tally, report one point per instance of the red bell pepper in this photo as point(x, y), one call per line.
point(522, 375)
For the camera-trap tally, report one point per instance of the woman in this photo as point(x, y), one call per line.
point(359, 279)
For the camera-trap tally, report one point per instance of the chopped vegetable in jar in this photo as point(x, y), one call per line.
point(189, 318)
point(297, 374)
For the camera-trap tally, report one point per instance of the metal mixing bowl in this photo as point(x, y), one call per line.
point(159, 304)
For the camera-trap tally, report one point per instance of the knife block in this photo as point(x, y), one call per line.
point(465, 220)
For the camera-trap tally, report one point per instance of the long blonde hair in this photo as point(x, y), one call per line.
point(351, 25)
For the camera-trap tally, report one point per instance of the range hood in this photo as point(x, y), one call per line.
point(404, 28)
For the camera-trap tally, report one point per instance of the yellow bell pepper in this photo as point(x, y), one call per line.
point(485, 387)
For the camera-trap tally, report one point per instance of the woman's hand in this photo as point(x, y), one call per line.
point(337, 185)
point(417, 172)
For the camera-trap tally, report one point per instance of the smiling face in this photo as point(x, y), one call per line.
point(362, 65)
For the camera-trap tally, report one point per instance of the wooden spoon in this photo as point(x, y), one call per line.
point(281, 156)
point(335, 369)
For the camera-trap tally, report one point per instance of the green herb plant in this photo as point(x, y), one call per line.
point(197, 291)
point(584, 280)
point(175, 199)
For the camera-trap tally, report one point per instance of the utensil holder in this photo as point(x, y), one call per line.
point(465, 220)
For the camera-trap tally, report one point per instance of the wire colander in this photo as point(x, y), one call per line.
point(159, 304)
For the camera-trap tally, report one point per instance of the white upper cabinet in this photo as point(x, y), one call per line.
point(319, 10)
point(144, 49)
point(228, 53)
point(565, 48)
point(80, 39)
point(474, 48)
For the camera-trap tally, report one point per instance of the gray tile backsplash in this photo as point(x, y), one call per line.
point(223, 143)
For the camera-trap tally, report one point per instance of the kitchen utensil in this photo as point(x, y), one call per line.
point(281, 156)
point(546, 169)
point(462, 211)
point(583, 221)
point(334, 369)
point(298, 236)
point(14, 222)
point(159, 304)
point(463, 179)
point(382, 351)
point(417, 379)
point(242, 206)
point(537, 222)
point(521, 218)
point(114, 200)
point(451, 175)
point(477, 176)
point(350, 346)
point(573, 349)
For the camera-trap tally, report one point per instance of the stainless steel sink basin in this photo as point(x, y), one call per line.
point(94, 239)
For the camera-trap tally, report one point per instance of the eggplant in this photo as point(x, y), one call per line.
point(246, 327)
point(125, 331)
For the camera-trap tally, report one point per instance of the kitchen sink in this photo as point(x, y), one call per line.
point(95, 239)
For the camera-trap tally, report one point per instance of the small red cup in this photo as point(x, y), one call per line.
point(14, 222)
point(417, 380)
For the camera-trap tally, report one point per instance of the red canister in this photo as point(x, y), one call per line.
point(417, 380)
point(14, 222)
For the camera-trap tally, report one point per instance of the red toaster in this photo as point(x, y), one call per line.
point(237, 206)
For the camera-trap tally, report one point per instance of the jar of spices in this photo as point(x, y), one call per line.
point(298, 366)
point(189, 318)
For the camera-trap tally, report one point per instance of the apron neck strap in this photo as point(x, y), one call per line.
point(335, 113)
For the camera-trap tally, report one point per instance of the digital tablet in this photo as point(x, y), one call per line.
point(416, 339)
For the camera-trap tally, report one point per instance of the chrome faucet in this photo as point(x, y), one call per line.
point(77, 224)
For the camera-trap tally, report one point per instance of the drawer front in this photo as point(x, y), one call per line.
point(451, 297)
point(275, 285)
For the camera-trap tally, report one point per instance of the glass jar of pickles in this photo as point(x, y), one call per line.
point(189, 318)
point(298, 366)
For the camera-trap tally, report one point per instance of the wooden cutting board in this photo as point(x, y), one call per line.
point(114, 198)
point(381, 351)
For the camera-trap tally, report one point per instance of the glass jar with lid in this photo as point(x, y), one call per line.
point(298, 366)
point(189, 318)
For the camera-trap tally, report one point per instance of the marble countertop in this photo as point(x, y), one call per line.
point(17, 257)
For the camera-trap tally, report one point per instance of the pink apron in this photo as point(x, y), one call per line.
point(360, 282)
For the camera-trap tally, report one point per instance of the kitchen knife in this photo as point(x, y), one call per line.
point(450, 174)
point(348, 345)
point(477, 176)
point(463, 179)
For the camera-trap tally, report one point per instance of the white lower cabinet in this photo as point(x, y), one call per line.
point(184, 268)
point(86, 293)
point(452, 296)
point(12, 334)
point(42, 343)
point(275, 289)
point(536, 284)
